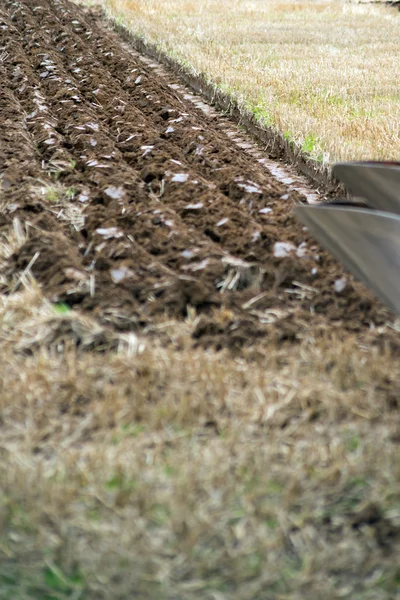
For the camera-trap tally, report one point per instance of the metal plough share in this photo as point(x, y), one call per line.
point(364, 234)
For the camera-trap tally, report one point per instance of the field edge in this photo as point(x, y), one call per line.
point(274, 141)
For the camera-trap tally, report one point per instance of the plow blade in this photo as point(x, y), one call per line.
point(365, 241)
point(377, 182)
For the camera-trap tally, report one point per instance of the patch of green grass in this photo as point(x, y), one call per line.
point(389, 581)
point(261, 114)
point(129, 430)
point(61, 308)
point(52, 195)
point(71, 193)
point(57, 173)
point(56, 193)
point(94, 514)
point(271, 523)
point(353, 443)
point(309, 143)
point(289, 137)
point(49, 582)
point(120, 20)
point(274, 487)
point(170, 471)
point(118, 481)
point(58, 581)
point(6, 579)
point(333, 99)
point(355, 112)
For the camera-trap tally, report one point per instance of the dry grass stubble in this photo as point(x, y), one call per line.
point(192, 474)
point(322, 73)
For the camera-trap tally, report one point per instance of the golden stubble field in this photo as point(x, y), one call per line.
point(321, 72)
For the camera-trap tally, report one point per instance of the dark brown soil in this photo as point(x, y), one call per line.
point(158, 210)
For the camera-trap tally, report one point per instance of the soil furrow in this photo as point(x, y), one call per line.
point(140, 207)
point(253, 232)
point(122, 81)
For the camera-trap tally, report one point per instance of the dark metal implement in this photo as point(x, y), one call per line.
point(377, 182)
point(365, 239)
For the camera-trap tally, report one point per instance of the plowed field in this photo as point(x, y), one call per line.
point(141, 205)
point(136, 207)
